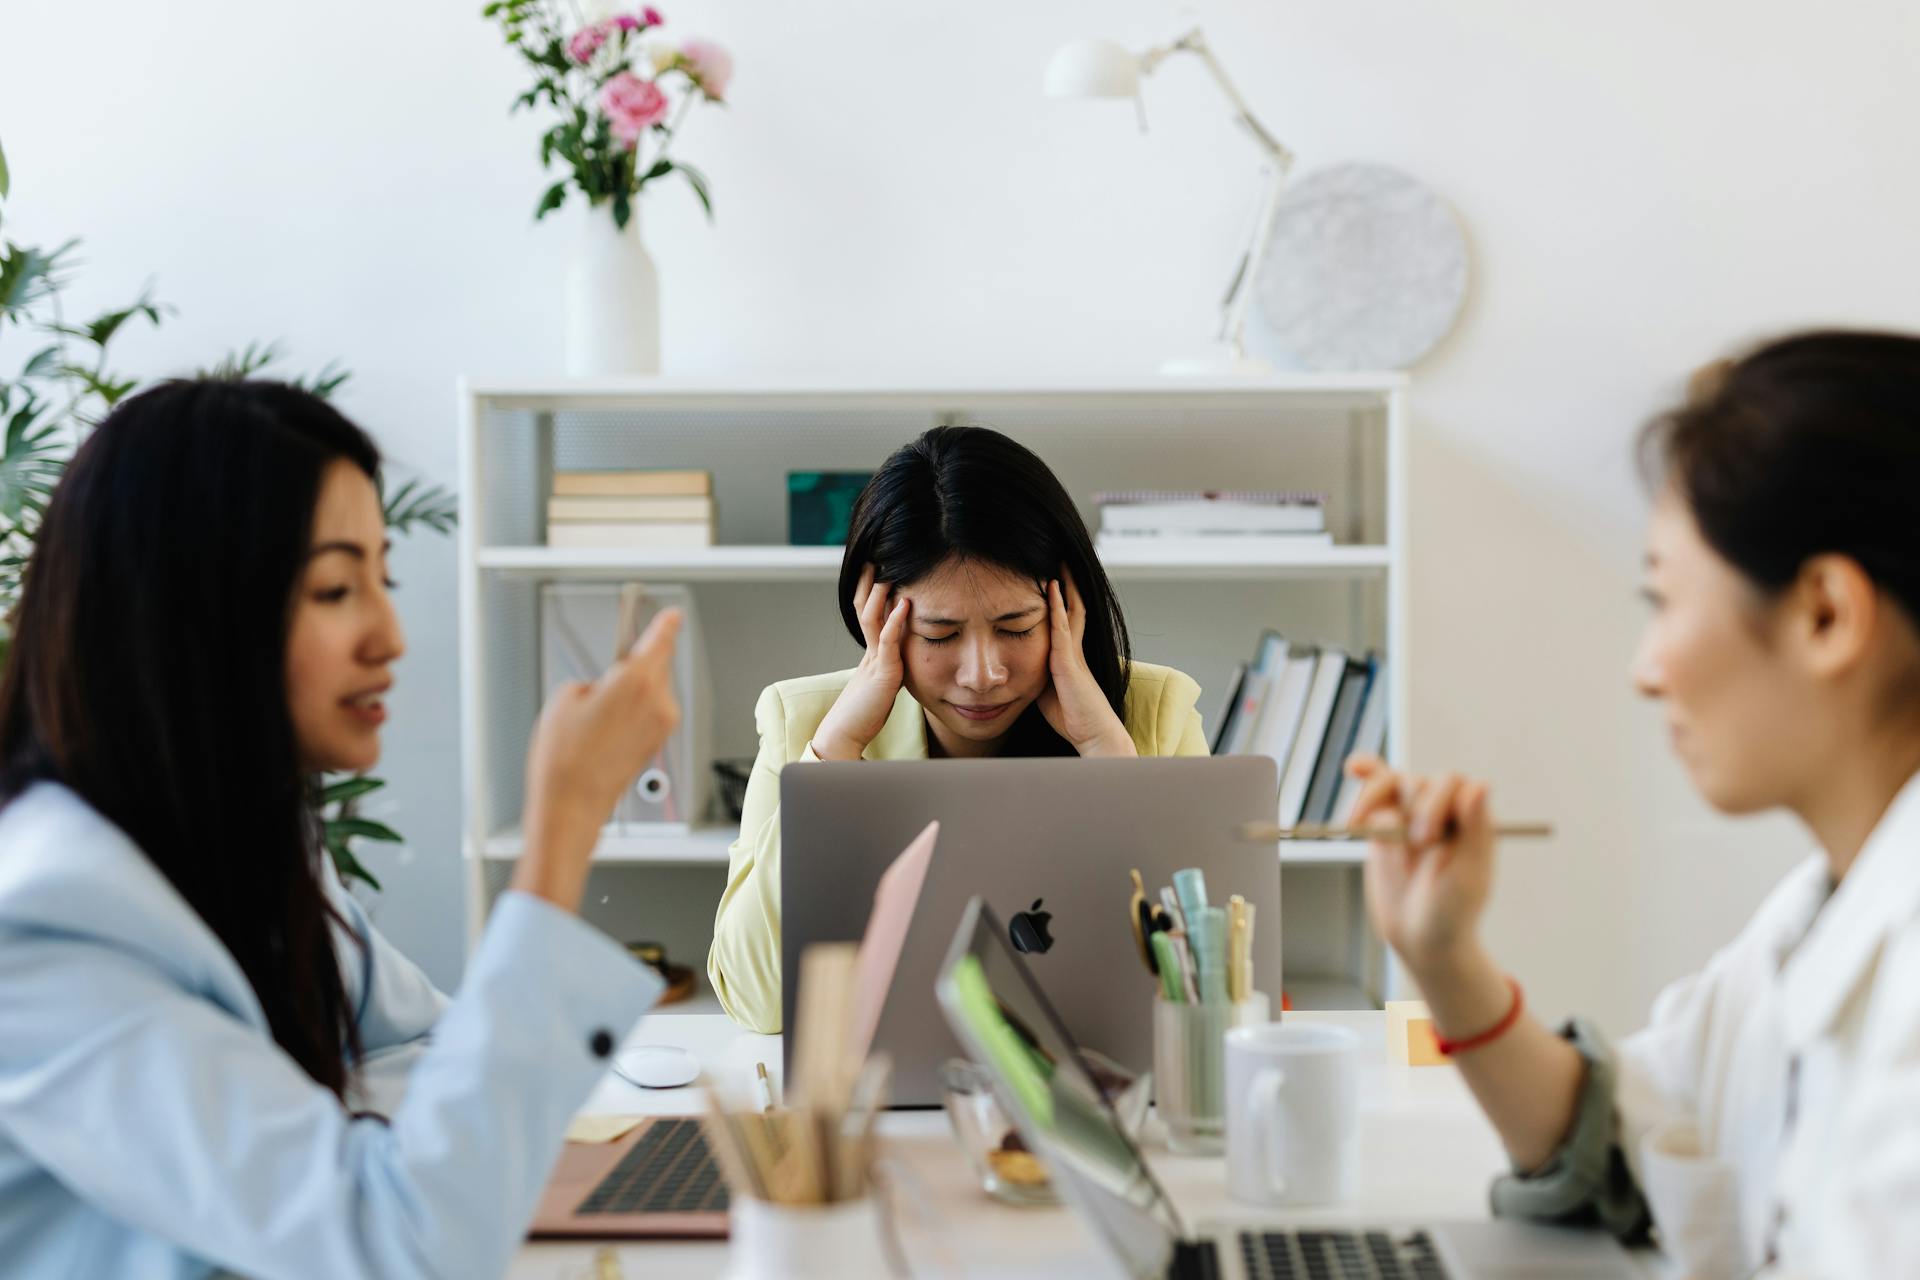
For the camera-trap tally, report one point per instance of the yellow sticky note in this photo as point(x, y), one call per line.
point(601, 1128)
point(1411, 1039)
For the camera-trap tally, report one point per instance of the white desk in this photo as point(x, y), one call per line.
point(1426, 1151)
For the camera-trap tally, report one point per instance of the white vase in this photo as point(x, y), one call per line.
point(613, 298)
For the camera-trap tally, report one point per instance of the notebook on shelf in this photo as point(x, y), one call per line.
point(1345, 718)
point(1330, 668)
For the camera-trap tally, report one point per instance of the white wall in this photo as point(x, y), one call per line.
point(1642, 184)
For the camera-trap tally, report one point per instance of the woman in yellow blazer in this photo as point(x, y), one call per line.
point(989, 628)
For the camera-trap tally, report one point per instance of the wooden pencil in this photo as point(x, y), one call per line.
point(1261, 832)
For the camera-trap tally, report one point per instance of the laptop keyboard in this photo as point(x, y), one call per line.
point(1340, 1255)
point(670, 1170)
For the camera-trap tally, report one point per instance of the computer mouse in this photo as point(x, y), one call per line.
point(657, 1066)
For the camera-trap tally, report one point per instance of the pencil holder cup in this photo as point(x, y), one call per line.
point(805, 1241)
point(1190, 1068)
point(845, 1239)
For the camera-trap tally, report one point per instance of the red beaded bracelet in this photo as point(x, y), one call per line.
point(1453, 1048)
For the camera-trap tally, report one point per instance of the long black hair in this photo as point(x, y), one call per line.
point(1809, 445)
point(148, 672)
point(969, 493)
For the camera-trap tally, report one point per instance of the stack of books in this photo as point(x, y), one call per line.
point(1309, 708)
point(656, 510)
point(1162, 518)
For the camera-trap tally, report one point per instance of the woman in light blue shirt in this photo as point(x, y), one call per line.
point(188, 999)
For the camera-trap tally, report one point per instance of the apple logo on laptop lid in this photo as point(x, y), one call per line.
point(1028, 930)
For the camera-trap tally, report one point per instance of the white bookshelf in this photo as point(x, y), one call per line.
point(707, 844)
point(822, 564)
point(1196, 607)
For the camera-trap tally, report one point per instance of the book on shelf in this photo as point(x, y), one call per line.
point(1271, 652)
point(1210, 519)
point(1236, 686)
point(1369, 738)
point(1249, 693)
point(1238, 729)
point(644, 510)
point(633, 484)
point(1284, 716)
point(1308, 708)
point(568, 508)
point(1204, 545)
point(1330, 668)
point(1235, 497)
point(653, 535)
point(1341, 723)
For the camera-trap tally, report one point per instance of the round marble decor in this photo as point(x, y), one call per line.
point(1365, 269)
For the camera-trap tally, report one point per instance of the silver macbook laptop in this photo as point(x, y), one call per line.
point(1049, 843)
point(991, 999)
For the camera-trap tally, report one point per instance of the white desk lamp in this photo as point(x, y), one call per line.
point(1102, 69)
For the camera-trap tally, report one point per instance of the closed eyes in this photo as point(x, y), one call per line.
point(951, 636)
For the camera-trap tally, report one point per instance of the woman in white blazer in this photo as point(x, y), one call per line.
point(1768, 1117)
point(187, 997)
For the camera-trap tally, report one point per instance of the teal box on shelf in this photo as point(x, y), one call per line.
point(820, 506)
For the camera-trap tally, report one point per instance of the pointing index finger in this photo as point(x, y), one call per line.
point(655, 645)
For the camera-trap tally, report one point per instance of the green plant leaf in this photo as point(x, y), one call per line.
point(42, 365)
point(256, 357)
point(350, 867)
point(555, 196)
point(29, 275)
point(364, 829)
point(31, 458)
point(101, 330)
point(698, 181)
point(622, 210)
point(412, 504)
point(99, 383)
point(324, 383)
point(5, 182)
point(350, 788)
point(239, 365)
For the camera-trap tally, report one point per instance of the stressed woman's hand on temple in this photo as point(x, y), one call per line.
point(1074, 703)
point(862, 708)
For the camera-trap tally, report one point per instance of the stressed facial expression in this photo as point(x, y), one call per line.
point(1737, 709)
point(344, 632)
point(976, 651)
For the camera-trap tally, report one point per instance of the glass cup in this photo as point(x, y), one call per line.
point(1007, 1170)
point(999, 1155)
point(1190, 1065)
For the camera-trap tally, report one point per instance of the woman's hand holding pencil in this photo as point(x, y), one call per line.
point(1425, 893)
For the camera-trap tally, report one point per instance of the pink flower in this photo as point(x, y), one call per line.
point(627, 22)
point(586, 42)
point(633, 106)
point(651, 16)
point(710, 66)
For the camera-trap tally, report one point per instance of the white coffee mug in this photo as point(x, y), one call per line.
point(1293, 1113)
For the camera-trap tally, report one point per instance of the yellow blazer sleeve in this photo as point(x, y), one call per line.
point(1163, 713)
point(744, 964)
point(1192, 738)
